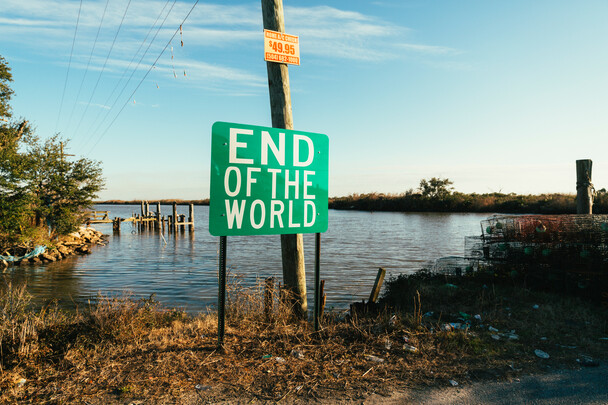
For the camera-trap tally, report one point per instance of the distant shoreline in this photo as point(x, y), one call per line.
point(454, 202)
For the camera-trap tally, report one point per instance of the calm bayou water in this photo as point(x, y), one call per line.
point(181, 269)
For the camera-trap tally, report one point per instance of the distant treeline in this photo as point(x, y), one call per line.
point(460, 202)
point(163, 202)
point(454, 202)
point(438, 195)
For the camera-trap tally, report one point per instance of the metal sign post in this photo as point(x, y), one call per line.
point(317, 281)
point(221, 296)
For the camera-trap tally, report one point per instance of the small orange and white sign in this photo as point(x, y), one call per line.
point(281, 48)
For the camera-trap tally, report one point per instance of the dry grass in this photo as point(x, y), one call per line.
point(120, 349)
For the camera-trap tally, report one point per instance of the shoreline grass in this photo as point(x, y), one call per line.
point(461, 202)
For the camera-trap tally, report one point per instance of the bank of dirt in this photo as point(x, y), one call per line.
point(458, 330)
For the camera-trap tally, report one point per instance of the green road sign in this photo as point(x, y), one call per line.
point(267, 181)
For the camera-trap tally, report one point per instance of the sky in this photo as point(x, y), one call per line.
point(496, 96)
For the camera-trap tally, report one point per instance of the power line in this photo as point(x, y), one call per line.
point(65, 84)
point(88, 64)
point(132, 73)
point(143, 78)
point(103, 68)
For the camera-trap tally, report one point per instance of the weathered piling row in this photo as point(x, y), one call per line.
point(149, 220)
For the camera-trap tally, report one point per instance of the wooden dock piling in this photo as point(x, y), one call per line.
point(116, 225)
point(158, 225)
point(174, 216)
point(584, 187)
point(191, 218)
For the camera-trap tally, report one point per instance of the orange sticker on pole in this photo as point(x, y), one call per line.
point(281, 48)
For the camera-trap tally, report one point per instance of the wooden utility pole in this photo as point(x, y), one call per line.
point(63, 155)
point(292, 246)
point(584, 188)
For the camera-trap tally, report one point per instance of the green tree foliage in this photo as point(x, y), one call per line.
point(61, 187)
point(436, 188)
point(38, 186)
point(15, 201)
point(5, 89)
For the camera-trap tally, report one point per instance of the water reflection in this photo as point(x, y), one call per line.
point(181, 267)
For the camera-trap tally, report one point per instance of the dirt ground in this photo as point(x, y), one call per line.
point(452, 334)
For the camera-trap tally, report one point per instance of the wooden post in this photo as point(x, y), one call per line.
point(584, 188)
point(158, 218)
point(191, 217)
point(148, 224)
point(174, 216)
point(377, 285)
point(116, 225)
point(292, 246)
point(268, 298)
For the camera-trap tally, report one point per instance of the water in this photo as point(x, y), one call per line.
point(181, 269)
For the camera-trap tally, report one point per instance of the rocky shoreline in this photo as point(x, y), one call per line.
point(76, 243)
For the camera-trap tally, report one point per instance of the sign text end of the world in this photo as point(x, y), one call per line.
point(267, 181)
point(281, 48)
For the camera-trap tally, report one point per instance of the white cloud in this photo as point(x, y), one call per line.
point(428, 49)
point(102, 106)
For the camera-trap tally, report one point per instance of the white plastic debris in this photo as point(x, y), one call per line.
point(410, 348)
point(297, 354)
point(491, 329)
point(588, 361)
point(373, 358)
point(541, 354)
point(453, 383)
point(513, 367)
